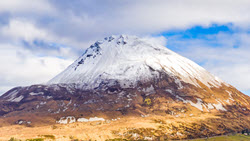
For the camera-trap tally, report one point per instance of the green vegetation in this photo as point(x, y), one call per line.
point(117, 139)
point(42, 138)
point(36, 139)
point(148, 101)
point(72, 138)
point(13, 139)
point(54, 127)
point(159, 121)
point(48, 137)
point(238, 137)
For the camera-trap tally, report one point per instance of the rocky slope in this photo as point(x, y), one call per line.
point(125, 77)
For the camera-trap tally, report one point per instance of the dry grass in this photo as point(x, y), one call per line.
point(127, 127)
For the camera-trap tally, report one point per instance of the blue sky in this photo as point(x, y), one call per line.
point(38, 39)
point(218, 55)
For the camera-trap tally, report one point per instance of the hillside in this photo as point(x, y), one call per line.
point(130, 88)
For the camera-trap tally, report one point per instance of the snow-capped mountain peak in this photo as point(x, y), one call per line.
point(129, 59)
point(133, 80)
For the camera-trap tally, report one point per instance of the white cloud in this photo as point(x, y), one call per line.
point(20, 67)
point(147, 16)
point(156, 39)
point(25, 6)
point(168, 14)
point(17, 29)
point(78, 22)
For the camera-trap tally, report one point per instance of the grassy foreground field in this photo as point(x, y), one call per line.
point(130, 128)
point(237, 137)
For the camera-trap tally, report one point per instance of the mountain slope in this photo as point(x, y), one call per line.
point(128, 59)
point(149, 90)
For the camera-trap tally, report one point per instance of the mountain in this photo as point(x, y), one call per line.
point(131, 88)
point(127, 60)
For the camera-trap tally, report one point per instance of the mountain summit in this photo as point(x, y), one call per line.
point(131, 88)
point(129, 59)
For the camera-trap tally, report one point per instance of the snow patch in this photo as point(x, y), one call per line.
point(230, 95)
point(227, 101)
point(149, 90)
point(148, 138)
point(219, 106)
point(11, 95)
point(90, 119)
point(20, 122)
point(49, 97)
point(66, 120)
point(34, 93)
point(170, 91)
point(82, 120)
point(58, 111)
point(145, 115)
point(198, 105)
point(17, 99)
point(210, 106)
point(179, 134)
point(178, 82)
point(43, 103)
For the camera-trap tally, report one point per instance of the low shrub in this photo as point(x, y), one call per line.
point(13, 139)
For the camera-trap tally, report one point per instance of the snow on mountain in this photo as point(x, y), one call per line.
point(129, 59)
